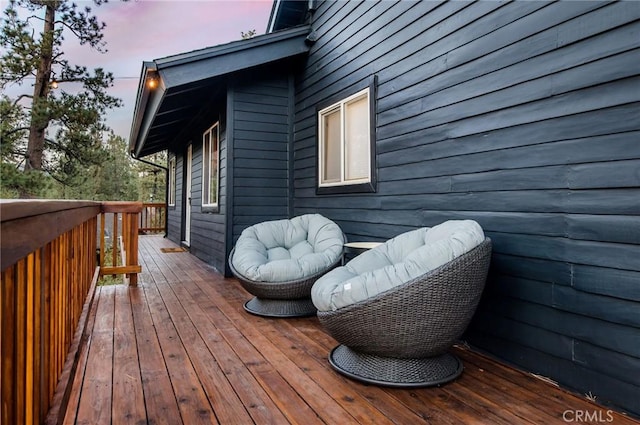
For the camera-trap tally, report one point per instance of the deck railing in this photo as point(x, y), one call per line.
point(123, 240)
point(50, 268)
point(153, 217)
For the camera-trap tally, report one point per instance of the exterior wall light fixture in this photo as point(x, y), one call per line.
point(153, 81)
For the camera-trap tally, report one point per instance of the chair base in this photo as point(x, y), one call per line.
point(265, 307)
point(392, 372)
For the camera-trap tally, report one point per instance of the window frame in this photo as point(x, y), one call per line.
point(365, 185)
point(206, 203)
point(171, 197)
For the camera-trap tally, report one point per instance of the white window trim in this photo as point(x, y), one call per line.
point(321, 114)
point(209, 130)
point(171, 201)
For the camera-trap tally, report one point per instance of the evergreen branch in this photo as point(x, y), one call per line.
point(63, 148)
point(51, 174)
point(15, 130)
point(41, 2)
point(34, 17)
point(6, 79)
point(64, 24)
point(15, 102)
point(17, 153)
point(70, 80)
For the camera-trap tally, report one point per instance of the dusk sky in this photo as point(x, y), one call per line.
point(145, 30)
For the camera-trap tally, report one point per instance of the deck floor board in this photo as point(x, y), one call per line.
point(180, 349)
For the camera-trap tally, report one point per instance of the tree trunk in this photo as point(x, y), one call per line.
point(39, 115)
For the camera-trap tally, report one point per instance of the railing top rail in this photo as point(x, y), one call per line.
point(13, 209)
point(121, 207)
point(27, 225)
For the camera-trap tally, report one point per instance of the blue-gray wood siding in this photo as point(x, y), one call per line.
point(255, 127)
point(259, 109)
point(524, 116)
point(207, 235)
point(207, 224)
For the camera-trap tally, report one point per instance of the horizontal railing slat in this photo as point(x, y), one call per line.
point(120, 269)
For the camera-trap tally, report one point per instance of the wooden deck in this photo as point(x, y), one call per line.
point(179, 349)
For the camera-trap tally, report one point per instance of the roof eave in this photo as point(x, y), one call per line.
point(206, 64)
point(232, 57)
point(280, 17)
point(141, 103)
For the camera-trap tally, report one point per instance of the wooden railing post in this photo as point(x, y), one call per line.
point(126, 244)
point(132, 252)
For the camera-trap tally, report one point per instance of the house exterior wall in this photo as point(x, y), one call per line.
point(524, 116)
point(254, 163)
point(207, 236)
point(259, 109)
point(208, 225)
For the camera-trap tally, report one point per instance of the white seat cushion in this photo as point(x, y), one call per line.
point(395, 262)
point(288, 250)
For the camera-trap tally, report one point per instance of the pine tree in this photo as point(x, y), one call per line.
point(76, 117)
point(115, 178)
point(152, 180)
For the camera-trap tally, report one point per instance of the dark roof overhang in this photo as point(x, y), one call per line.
point(184, 83)
point(289, 13)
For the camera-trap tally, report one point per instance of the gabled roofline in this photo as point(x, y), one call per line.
point(229, 48)
point(141, 100)
point(275, 11)
point(173, 72)
point(168, 67)
point(276, 15)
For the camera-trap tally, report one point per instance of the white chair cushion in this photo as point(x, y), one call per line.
point(395, 262)
point(288, 250)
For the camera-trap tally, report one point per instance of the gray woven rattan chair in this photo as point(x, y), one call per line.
point(288, 297)
point(401, 337)
point(280, 299)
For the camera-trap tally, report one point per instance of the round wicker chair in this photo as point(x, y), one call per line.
point(288, 297)
point(401, 337)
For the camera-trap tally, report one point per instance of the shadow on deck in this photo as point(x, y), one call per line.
point(179, 348)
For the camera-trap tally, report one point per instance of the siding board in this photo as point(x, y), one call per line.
point(461, 99)
point(615, 337)
point(610, 147)
point(260, 150)
point(457, 122)
point(601, 307)
point(608, 121)
point(517, 71)
point(583, 379)
point(620, 366)
point(598, 280)
point(530, 268)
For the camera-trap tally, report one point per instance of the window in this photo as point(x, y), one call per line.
point(210, 167)
point(345, 154)
point(172, 182)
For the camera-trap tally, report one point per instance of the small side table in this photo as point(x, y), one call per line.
point(356, 248)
